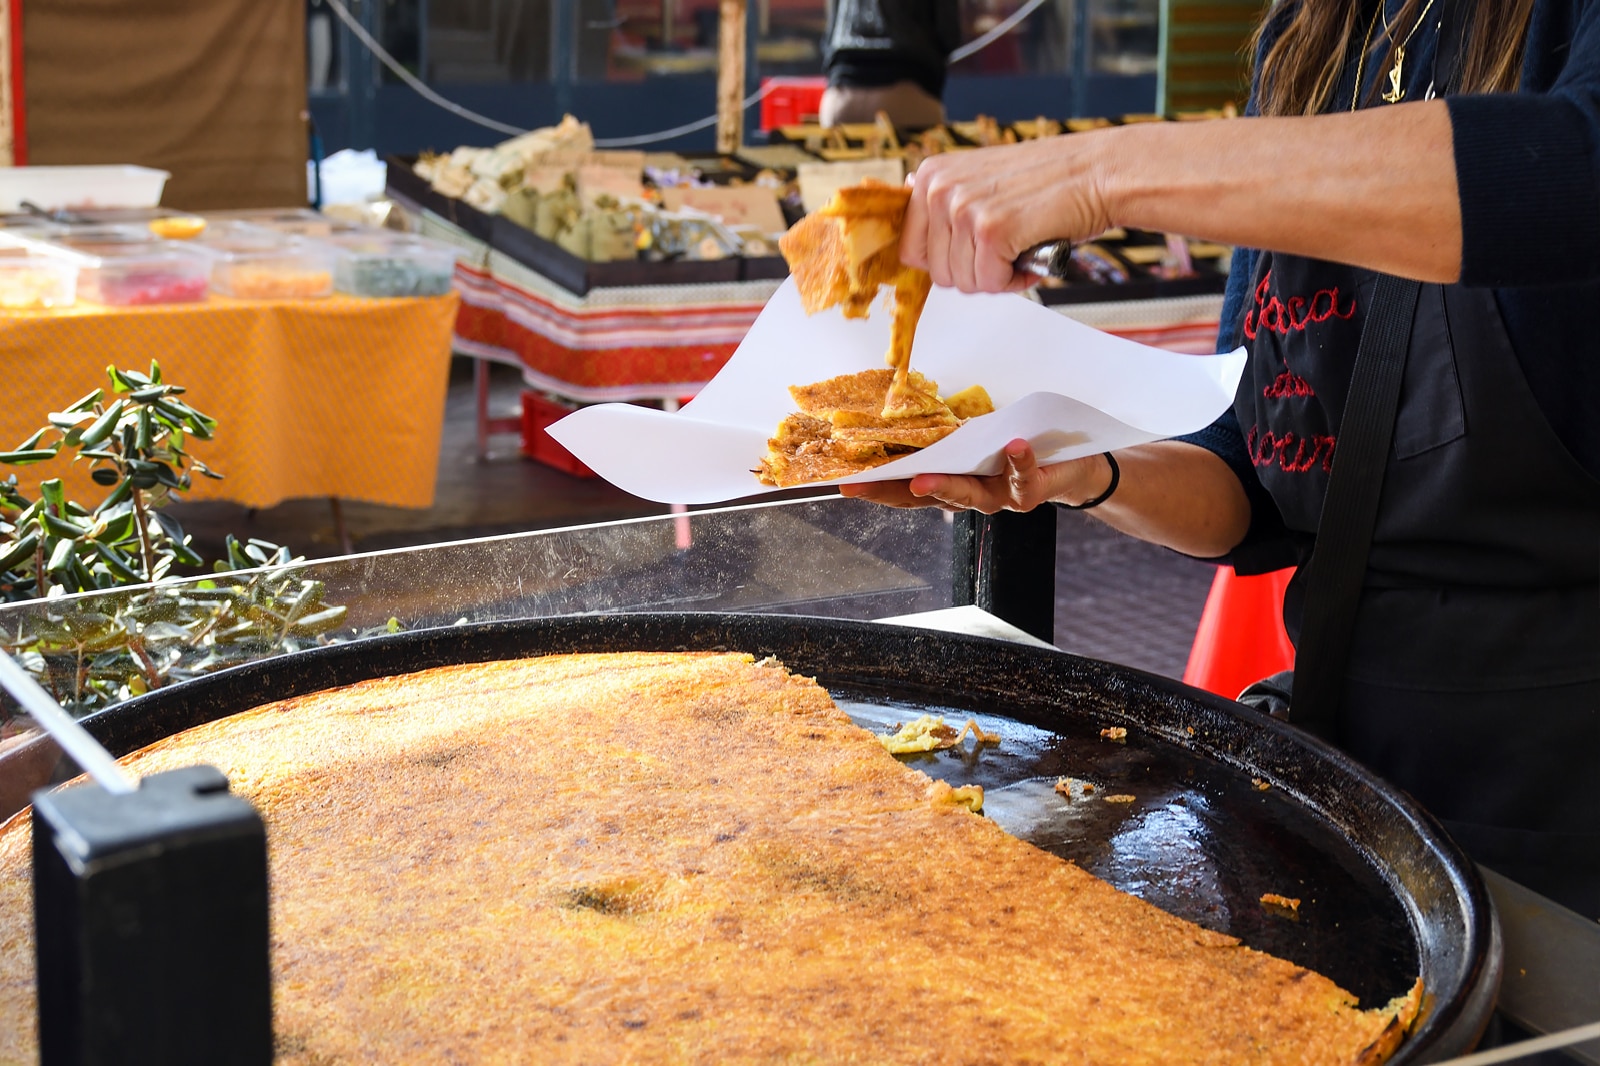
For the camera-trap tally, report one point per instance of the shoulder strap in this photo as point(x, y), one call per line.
point(1350, 506)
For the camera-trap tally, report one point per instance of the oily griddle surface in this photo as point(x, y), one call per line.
point(1200, 840)
point(1321, 803)
point(656, 856)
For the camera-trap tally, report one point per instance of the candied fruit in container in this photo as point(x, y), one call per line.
point(286, 270)
point(133, 274)
point(137, 287)
point(272, 281)
point(384, 264)
point(252, 263)
point(30, 283)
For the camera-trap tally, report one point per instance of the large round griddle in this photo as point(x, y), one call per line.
point(1228, 804)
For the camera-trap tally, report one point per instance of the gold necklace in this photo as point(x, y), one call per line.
point(1395, 93)
point(1361, 60)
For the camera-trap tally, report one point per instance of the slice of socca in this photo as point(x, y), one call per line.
point(840, 428)
point(842, 255)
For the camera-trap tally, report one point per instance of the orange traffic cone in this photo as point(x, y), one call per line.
point(1240, 638)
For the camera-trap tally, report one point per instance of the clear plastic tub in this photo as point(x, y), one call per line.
point(127, 273)
point(298, 221)
point(36, 282)
point(230, 234)
point(282, 268)
point(379, 263)
point(81, 235)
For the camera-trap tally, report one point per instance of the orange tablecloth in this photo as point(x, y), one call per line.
point(333, 397)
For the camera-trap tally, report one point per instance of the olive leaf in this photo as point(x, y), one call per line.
point(141, 632)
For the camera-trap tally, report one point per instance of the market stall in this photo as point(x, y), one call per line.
point(320, 346)
point(340, 397)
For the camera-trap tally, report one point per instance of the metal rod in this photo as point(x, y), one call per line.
point(1565, 1038)
point(73, 738)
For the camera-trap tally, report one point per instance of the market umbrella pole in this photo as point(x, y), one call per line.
point(731, 30)
point(150, 910)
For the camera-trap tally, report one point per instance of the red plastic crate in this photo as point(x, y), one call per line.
point(539, 413)
point(791, 101)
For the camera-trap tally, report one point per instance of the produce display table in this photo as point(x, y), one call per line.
point(341, 397)
point(647, 342)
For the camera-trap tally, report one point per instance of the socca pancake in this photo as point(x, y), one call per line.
point(684, 858)
point(840, 430)
point(842, 254)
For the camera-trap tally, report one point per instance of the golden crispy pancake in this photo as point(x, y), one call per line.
point(786, 469)
point(841, 429)
point(860, 394)
point(797, 428)
point(919, 436)
point(675, 858)
point(970, 402)
point(814, 248)
point(844, 252)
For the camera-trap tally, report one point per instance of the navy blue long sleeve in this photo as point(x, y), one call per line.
point(1528, 179)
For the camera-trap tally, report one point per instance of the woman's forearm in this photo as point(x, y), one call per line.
point(1374, 188)
point(1179, 496)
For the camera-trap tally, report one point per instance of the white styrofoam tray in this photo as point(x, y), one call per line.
point(65, 188)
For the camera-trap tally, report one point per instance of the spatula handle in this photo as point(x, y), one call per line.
point(1047, 260)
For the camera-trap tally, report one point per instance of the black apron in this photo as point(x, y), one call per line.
point(1474, 676)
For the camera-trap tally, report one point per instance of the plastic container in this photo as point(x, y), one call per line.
point(379, 263)
point(791, 101)
point(69, 188)
point(283, 269)
point(127, 273)
point(93, 236)
point(298, 221)
point(29, 226)
point(124, 216)
point(36, 282)
point(539, 413)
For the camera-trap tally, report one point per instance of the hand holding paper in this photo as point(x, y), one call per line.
point(1068, 389)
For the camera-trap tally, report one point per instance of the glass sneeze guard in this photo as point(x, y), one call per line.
point(829, 557)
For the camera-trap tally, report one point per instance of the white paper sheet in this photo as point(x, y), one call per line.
point(1069, 389)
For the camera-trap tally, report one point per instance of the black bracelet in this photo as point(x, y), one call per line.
point(1116, 476)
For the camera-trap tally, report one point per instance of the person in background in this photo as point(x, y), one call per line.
point(889, 56)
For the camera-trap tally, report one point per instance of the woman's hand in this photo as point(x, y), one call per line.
point(1374, 188)
point(1021, 486)
point(1171, 493)
point(973, 213)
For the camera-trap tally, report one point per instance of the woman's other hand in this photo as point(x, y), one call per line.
point(1021, 486)
point(1171, 493)
point(973, 213)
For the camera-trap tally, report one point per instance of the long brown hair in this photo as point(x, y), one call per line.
point(1300, 70)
